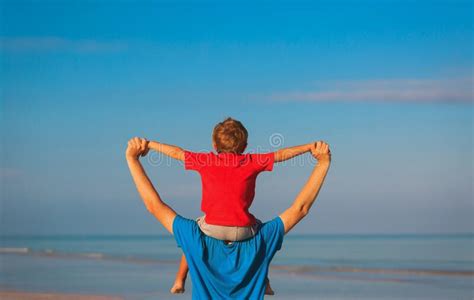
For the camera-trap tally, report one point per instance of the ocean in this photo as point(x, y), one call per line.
point(307, 267)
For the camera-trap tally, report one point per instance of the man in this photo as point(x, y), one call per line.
point(221, 270)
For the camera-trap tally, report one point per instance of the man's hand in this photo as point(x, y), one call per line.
point(320, 151)
point(136, 147)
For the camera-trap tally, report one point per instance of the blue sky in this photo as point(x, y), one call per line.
point(387, 84)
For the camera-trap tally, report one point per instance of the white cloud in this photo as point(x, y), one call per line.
point(385, 90)
point(52, 43)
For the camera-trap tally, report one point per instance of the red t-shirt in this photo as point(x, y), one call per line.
point(228, 184)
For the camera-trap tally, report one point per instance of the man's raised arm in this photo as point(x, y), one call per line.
point(151, 198)
point(305, 199)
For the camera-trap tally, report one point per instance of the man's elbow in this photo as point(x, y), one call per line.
point(302, 211)
point(152, 207)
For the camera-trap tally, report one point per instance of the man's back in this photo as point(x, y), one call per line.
point(224, 271)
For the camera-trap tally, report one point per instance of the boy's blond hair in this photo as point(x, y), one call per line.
point(230, 136)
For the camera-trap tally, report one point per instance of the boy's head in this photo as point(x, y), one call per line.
point(230, 136)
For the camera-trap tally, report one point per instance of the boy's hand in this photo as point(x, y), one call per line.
point(321, 152)
point(136, 147)
point(147, 148)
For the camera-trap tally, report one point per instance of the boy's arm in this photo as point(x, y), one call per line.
point(290, 152)
point(305, 199)
point(151, 198)
point(169, 150)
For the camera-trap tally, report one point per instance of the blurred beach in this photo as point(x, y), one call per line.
point(307, 267)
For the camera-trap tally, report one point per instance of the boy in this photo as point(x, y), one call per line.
point(228, 185)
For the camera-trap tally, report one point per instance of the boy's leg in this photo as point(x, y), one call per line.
point(178, 286)
point(268, 288)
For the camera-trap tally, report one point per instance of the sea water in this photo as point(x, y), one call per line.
point(307, 267)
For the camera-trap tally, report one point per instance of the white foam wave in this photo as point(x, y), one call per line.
point(93, 255)
point(13, 250)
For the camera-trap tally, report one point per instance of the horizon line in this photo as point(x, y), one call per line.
point(140, 235)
